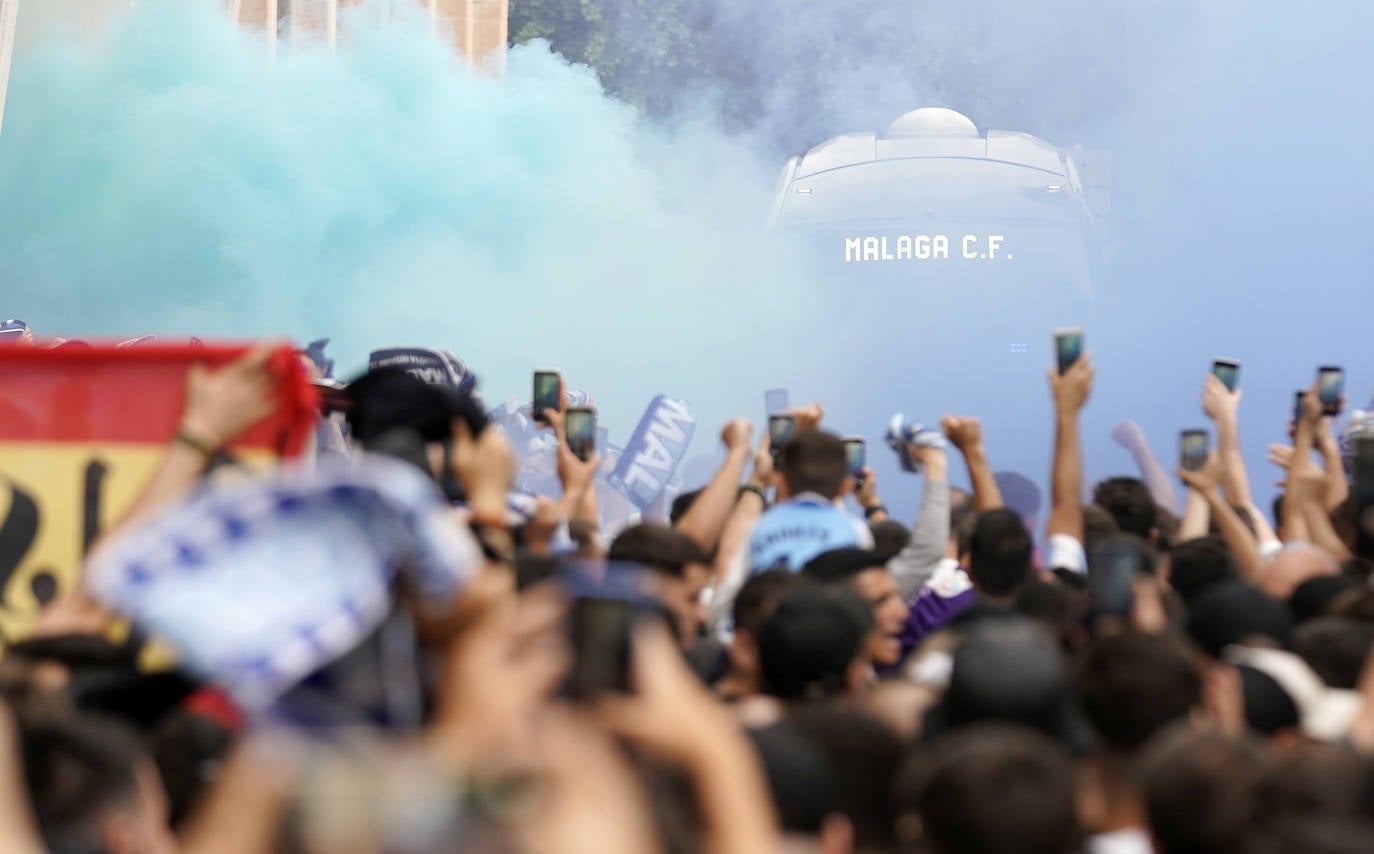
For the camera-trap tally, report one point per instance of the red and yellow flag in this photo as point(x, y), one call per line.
point(81, 429)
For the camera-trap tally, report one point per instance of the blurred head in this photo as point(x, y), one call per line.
point(864, 755)
point(752, 606)
point(682, 567)
point(1197, 564)
point(814, 461)
point(989, 788)
point(810, 647)
point(1097, 522)
point(999, 554)
point(1128, 501)
point(889, 538)
point(805, 790)
point(1200, 791)
point(865, 574)
point(1293, 565)
point(1134, 685)
point(1335, 648)
point(1233, 612)
point(1021, 495)
point(92, 789)
point(681, 505)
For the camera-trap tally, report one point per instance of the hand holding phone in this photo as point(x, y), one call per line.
point(856, 458)
point(1114, 562)
point(1331, 388)
point(548, 394)
point(1068, 347)
point(1192, 450)
point(580, 428)
point(781, 428)
point(1228, 371)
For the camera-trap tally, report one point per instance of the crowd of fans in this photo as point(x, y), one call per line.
point(386, 647)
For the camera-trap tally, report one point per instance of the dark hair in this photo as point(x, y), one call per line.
point(1018, 492)
point(1098, 522)
point(1198, 564)
point(681, 505)
point(1336, 648)
point(1128, 500)
point(889, 538)
point(1133, 685)
point(1233, 612)
point(658, 547)
point(864, 755)
point(188, 749)
point(803, 784)
point(76, 771)
point(814, 461)
point(961, 525)
point(1200, 791)
point(532, 569)
point(1314, 597)
point(807, 645)
point(991, 788)
point(999, 553)
point(840, 566)
point(757, 599)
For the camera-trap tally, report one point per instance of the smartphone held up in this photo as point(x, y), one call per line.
point(1228, 371)
point(547, 395)
point(1068, 347)
point(580, 426)
point(1331, 388)
point(1193, 446)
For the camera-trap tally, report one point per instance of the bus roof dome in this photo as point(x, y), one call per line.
point(929, 121)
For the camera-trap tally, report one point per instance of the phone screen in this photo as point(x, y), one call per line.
point(781, 429)
point(1330, 387)
point(581, 426)
point(1113, 564)
point(601, 631)
point(545, 393)
point(1068, 347)
point(1192, 449)
point(856, 455)
point(1228, 372)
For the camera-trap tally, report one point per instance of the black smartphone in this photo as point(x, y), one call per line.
point(1228, 371)
point(1114, 562)
point(781, 429)
point(1192, 449)
point(855, 455)
point(601, 638)
point(580, 424)
point(546, 394)
point(1330, 388)
point(1068, 347)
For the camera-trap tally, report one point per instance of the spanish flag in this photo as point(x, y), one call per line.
point(81, 430)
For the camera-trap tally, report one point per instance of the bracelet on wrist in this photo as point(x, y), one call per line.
point(870, 512)
point(200, 446)
point(753, 490)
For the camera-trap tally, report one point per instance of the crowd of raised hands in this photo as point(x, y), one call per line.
point(383, 647)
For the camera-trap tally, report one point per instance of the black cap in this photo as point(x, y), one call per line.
point(388, 399)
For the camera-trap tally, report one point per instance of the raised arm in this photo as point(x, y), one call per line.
point(966, 434)
point(1223, 406)
point(578, 477)
point(732, 560)
point(914, 565)
point(1336, 487)
point(1304, 434)
point(1129, 436)
point(1071, 390)
point(706, 519)
point(1238, 539)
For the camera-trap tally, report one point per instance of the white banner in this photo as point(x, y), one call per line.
point(9, 22)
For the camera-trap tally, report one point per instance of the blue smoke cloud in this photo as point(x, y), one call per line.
point(175, 181)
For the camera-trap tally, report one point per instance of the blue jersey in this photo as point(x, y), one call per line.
point(793, 532)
